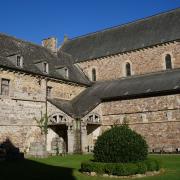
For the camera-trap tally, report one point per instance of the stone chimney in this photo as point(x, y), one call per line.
point(65, 38)
point(50, 43)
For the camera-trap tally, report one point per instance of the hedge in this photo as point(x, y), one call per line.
point(120, 169)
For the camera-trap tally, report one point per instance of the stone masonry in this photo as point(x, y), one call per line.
point(58, 85)
point(143, 61)
point(26, 104)
point(156, 118)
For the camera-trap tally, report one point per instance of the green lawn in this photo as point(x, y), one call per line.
point(66, 168)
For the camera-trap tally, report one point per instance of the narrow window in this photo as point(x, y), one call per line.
point(168, 61)
point(93, 74)
point(45, 67)
point(128, 69)
point(66, 72)
point(5, 87)
point(49, 90)
point(19, 61)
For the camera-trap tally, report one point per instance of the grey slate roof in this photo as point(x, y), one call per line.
point(142, 33)
point(4, 61)
point(34, 53)
point(127, 88)
point(139, 34)
point(75, 73)
point(64, 105)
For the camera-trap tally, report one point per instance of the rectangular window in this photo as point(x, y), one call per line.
point(49, 89)
point(45, 68)
point(18, 61)
point(5, 87)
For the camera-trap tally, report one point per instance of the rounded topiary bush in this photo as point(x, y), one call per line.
point(120, 145)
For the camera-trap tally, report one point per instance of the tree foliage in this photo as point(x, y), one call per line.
point(43, 123)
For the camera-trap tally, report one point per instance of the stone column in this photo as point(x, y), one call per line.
point(84, 138)
point(70, 139)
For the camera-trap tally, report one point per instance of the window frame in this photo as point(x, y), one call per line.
point(45, 67)
point(66, 72)
point(168, 62)
point(6, 86)
point(163, 60)
point(49, 91)
point(128, 69)
point(93, 74)
point(19, 61)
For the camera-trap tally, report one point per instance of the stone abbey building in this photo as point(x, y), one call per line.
point(129, 73)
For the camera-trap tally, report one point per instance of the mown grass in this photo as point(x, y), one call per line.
point(67, 168)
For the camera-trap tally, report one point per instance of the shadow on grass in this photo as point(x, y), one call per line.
point(14, 166)
point(28, 169)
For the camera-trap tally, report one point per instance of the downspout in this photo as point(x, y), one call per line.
point(46, 97)
point(46, 113)
point(80, 136)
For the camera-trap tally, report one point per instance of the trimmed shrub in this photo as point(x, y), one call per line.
point(120, 169)
point(120, 144)
point(142, 167)
point(91, 166)
point(152, 165)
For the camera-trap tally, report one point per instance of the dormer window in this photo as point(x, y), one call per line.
point(66, 73)
point(63, 71)
point(45, 68)
point(16, 60)
point(19, 61)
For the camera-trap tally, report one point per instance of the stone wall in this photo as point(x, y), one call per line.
point(64, 91)
point(28, 87)
point(156, 118)
point(19, 109)
point(24, 86)
point(25, 104)
point(146, 60)
point(18, 124)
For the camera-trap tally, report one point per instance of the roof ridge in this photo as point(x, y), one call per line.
point(23, 41)
point(124, 24)
point(65, 53)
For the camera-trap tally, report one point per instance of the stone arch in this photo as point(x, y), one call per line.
point(127, 64)
point(57, 137)
point(92, 129)
point(168, 61)
point(90, 73)
point(164, 58)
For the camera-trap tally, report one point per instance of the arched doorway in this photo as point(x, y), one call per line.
point(57, 137)
point(93, 121)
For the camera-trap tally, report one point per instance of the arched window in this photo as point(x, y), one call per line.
point(128, 69)
point(168, 61)
point(93, 74)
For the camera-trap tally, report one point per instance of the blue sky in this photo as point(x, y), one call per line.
point(34, 20)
